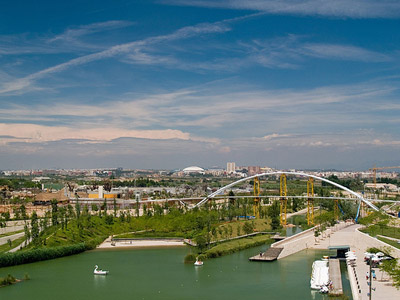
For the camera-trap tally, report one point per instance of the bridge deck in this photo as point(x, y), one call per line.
point(335, 277)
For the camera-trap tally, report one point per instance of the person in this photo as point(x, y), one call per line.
point(367, 275)
point(260, 254)
point(373, 275)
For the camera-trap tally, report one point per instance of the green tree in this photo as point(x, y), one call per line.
point(137, 207)
point(115, 207)
point(248, 227)
point(201, 242)
point(22, 209)
point(239, 230)
point(6, 216)
point(54, 212)
point(34, 227)
point(27, 234)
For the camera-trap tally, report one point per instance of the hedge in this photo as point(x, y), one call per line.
point(236, 245)
point(29, 256)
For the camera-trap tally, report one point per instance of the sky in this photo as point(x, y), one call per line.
point(166, 84)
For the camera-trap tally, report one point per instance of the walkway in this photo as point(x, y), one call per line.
point(383, 286)
point(3, 240)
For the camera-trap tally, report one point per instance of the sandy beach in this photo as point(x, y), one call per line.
point(109, 244)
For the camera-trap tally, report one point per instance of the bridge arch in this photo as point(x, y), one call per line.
point(358, 196)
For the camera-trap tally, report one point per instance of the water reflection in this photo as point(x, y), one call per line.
point(99, 280)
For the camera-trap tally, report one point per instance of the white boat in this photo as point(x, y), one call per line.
point(319, 275)
point(198, 263)
point(98, 271)
point(324, 289)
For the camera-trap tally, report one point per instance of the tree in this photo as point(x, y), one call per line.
point(390, 267)
point(144, 209)
point(158, 210)
point(94, 207)
point(109, 220)
point(115, 207)
point(27, 234)
point(248, 227)
point(275, 223)
point(6, 216)
point(201, 242)
point(54, 212)
point(34, 227)
point(22, 209)
point(105, 206)
point(239, 230)
point(17, 213)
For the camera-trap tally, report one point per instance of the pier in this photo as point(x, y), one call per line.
point(269, 255)
point(335, 277)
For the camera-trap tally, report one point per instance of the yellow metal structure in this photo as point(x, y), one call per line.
point(256, 203)
point(283, 206)
point(374, 169)
point(336, 209)
point(310, 201)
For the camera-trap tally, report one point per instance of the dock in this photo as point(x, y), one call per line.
point(270, 255)
point(335, 277)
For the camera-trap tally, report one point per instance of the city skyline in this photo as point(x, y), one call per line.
point(168, 84)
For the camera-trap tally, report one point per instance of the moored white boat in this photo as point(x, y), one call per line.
point(98, 271)
point(198, 263)
point(319, 275)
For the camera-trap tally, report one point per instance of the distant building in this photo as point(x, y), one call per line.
point(382, 186)
point(193, 170)
point(253, 170)
point(230, 167)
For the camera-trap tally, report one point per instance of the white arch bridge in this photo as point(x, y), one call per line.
point(358, 197)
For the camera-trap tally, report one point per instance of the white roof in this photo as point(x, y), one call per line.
point(193, 169)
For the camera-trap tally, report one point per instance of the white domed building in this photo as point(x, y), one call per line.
point(193, 170)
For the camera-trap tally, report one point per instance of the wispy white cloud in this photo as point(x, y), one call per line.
point(337, 8)
point(73, 33)
point(343, 52)
point(66, 42)
point(205, 108)
point(126, 48)
point(287, 52)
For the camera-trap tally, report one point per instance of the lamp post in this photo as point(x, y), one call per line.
point(370, 278)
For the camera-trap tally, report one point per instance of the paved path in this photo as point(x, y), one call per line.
point(383, 286)
point(14, 226)
point(13, 237)
point(335, 277)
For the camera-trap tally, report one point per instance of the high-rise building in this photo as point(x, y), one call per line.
point(253, 170)
point(230, 167)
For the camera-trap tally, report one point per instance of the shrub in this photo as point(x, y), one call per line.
point(190, 258)
point(7, 280)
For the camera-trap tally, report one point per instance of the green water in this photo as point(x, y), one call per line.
point(161, 274)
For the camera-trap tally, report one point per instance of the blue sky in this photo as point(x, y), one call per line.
point(172, 83)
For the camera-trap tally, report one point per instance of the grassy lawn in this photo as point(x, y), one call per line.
point(374, 230)
point(390, 242)
point(230, 229)
point(5, 247)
